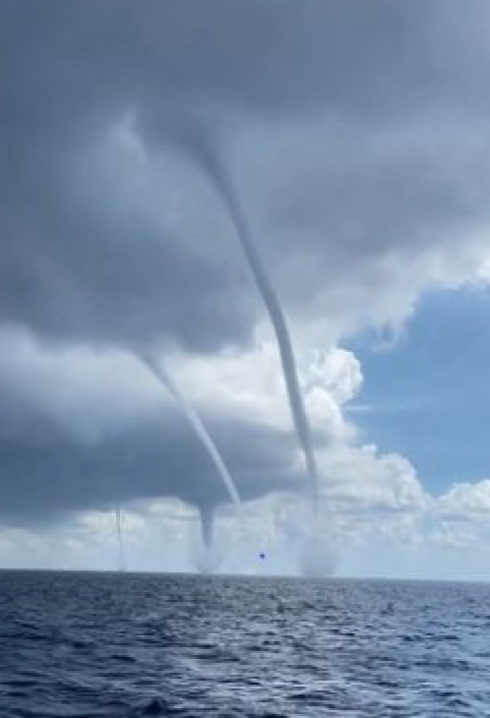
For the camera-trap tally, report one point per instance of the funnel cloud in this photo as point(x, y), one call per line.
point(207, 157)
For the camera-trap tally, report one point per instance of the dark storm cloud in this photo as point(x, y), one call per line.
point(47, 474)
point(81, 430)
point(78, 268)
point(357, 136)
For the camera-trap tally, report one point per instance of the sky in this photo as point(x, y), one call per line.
point(355, 139)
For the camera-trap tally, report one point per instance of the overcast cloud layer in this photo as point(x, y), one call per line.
point(357, 138)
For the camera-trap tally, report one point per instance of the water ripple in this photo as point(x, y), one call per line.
point(129, 646)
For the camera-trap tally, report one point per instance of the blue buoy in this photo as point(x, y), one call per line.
point(262, 555)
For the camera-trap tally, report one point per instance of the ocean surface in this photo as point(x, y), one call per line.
point(88, 644)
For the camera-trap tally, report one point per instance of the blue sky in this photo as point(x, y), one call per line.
point(428, 395)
